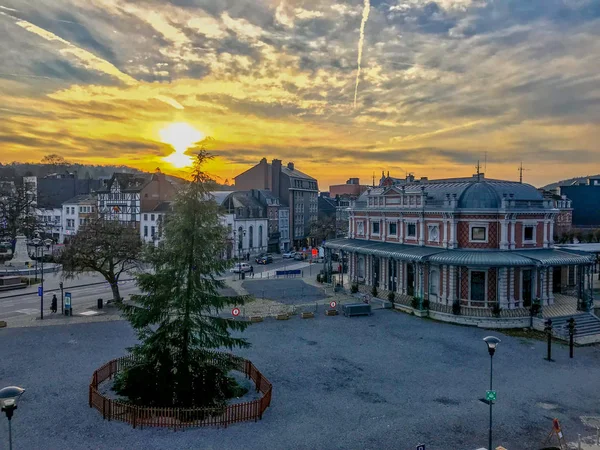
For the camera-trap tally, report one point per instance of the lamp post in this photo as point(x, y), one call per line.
point(492, 342)
point(240, 245)
point(9, 396)
point(37, 242)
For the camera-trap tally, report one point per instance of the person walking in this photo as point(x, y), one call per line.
point(251, 270)
point(54, 305)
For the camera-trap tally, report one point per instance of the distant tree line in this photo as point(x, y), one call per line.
point(577, 235)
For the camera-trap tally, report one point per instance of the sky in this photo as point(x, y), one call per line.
point(442, 84)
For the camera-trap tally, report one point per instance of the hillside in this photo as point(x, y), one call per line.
point(568, 181)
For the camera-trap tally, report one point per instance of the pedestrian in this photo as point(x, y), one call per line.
point(54, 306)
point(251, 270)
point(248, 256)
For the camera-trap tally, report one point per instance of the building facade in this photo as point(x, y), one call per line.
point(76, 212)
point(126, 196)
point(470, 241)
point(294, 189)
point(284, 229)
point(153, 222)
point(352, 188)
point(585, 202)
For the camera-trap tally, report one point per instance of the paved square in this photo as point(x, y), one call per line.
point(388, 381)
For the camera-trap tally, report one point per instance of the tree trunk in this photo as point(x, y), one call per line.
point(114, 285)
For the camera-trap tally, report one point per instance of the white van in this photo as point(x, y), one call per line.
point(241, 267)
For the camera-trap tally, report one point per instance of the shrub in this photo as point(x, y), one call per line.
point(354, 288)
point(415, 302)
point(374, 291)
point(426, 304)
point(535, 309)
point(496, 309)
point(319, 278)
point(527, 303)
point(456, 308)
point(391, 297)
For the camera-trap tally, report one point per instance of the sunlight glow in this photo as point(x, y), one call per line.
point(181, 136)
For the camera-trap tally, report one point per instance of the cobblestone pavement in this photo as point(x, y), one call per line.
point(388, 381)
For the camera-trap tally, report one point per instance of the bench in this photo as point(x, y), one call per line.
point(357, 309)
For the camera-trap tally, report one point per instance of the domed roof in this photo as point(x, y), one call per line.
point(479, 196)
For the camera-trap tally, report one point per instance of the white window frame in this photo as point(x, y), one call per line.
point(485, 295)
point(479, 225)
point(432, 227)
point(408, 236)
point(534, 239)
point(360, 227)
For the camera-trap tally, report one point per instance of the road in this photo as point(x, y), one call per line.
point(87, 289)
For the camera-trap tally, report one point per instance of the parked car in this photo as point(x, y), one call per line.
point(299, 256)
point(289, 254)
point(241, 267)
point(267, 259)
point(259, 257)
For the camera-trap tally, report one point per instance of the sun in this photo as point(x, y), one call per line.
point(181, 136)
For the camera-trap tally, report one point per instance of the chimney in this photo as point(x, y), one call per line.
point(291, 166)
point(424, 178)
point(276, 178)
point(410, 178)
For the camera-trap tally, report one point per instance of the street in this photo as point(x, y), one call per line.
point(93, 286)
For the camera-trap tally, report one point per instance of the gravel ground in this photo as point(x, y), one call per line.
point(289, 291)
point(388, 381)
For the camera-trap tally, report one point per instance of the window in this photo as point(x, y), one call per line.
point(375, 227)
point(152, 231)
point(478, 233)
point(152, 217)
point(80, 221)
point(434, 233)
point(478, 286)
point(529, 233)
point(260, 236)
point(145, 216)
point(145, 230)
point(435, 282)
point(393, 229)
point(411, 230)
point(360, 228)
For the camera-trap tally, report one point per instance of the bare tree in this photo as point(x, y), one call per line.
point(107, 247)
point(17, 211)
point(323, 228)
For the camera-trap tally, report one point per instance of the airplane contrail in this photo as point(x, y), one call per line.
point(361, 40)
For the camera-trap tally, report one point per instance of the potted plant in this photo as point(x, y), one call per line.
point(426, 303)
point(391, 296)
point(354, 288)
point(374, 292)
point(415, 303)
point(496, 309)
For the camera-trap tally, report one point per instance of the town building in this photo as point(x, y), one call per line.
point(284, 229)
point(585, 202)
point(563, 220)
point(473, 242)
point(49, 221)
point(153, 222)
point(53, 191)
point(246, 221)
point(127, 196)
point(352, 188)
point(271, 205)
point(76, 212)
point(294, 189)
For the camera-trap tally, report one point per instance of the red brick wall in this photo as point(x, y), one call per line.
point(462, 234)
point(492, 290)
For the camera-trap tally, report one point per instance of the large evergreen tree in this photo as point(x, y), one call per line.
point(177, 315)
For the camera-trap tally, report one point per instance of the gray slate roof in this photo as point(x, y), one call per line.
point(492, 258)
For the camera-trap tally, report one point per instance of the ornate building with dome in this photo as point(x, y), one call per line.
point(474, 241)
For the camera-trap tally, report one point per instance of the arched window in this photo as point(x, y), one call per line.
point(251, 237)
point(434, 284)
point(260, 236)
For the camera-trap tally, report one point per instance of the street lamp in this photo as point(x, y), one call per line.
point(37, 242)
point(240, 244)
point(492, 342)
point(9, 396)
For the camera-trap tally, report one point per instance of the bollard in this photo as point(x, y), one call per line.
point(548, 330)
point(571, 326)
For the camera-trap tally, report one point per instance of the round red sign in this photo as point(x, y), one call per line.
point(235, 312)
point(333, 304)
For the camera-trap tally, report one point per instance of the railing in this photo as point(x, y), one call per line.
point(170, 417)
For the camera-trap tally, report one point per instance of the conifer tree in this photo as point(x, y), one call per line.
point(177, 315)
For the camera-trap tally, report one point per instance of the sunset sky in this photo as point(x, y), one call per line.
point(442, 84)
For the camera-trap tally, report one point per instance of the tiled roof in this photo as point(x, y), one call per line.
point(83, 198)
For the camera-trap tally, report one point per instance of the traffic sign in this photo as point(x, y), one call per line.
point(421, 447)
point(333, 304)
point(490, 396)
point(40, 291)
point(67, 300)
point(235, 312)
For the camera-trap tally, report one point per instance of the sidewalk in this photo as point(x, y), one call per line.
point(88, 315)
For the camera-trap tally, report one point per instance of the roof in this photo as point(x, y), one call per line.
point(221, 196)
point(163, 207)
point(459, 257)
point(83, 198)
point(128, 182)
point(296, 173)
point(590, 247)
